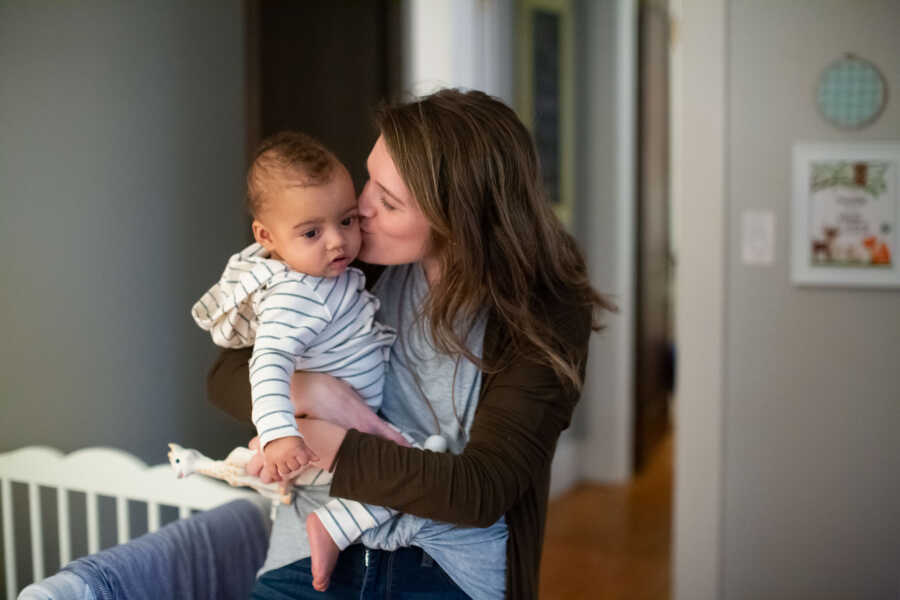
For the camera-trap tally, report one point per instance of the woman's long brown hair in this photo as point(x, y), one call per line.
point(472, 167)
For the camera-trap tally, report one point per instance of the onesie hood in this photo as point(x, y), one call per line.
point(226, 310)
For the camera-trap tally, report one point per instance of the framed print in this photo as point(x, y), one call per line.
point(845, 214)
point(546, 94)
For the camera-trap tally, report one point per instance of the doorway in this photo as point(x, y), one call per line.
point(654, 343)
point(304, 75)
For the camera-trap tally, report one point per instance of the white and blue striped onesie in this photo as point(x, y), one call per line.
point(296, 322)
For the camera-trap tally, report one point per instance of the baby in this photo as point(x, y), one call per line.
point(294, 298)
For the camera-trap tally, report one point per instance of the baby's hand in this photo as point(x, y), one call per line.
point(286, 455)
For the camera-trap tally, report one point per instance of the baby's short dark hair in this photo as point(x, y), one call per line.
point(285, 155)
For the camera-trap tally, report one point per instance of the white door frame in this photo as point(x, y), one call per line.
point(699, 206)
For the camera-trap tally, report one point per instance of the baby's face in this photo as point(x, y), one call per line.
point(312, 229)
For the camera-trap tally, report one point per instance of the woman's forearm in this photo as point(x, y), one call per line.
point(511, 446)
point(315, 395)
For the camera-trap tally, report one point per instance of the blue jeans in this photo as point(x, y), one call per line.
point(404, 574)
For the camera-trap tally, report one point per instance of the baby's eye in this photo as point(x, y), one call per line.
point(311, 234)
point(348, 221)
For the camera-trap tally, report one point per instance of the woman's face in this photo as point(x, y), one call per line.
point(394, 229)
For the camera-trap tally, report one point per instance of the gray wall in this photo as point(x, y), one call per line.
point(121, 163)
point(812, 405)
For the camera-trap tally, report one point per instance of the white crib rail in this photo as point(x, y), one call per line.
point(96, 472)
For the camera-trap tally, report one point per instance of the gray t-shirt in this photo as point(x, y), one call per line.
point(425, 393)
point(421, 396)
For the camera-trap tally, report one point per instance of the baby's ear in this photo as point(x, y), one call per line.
point(262, 235)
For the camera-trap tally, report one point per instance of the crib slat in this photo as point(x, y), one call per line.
point(184, 511)
point(37, 531)
point(8, 546)
point(93, 527)
point(62, 517)
point(122, 528)
point(152, 516)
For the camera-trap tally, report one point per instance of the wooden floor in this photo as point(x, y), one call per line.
point(612, 542)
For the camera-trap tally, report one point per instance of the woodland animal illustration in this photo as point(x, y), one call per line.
point(825, 247)
point(879, 252)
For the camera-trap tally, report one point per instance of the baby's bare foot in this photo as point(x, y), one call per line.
point(323, 552)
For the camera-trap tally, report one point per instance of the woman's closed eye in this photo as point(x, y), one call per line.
point(387, 205)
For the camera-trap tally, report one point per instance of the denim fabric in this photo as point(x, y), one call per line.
point(404, 574)
point(473, 557)
point(60, 586)
point(212, 554)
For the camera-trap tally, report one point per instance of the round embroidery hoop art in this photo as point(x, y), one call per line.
point(851, 93)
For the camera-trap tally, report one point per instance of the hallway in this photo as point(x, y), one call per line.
point(612, 542)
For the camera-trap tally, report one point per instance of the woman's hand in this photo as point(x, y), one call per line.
point(322, 437)
point(321, 396)
point(326, 407)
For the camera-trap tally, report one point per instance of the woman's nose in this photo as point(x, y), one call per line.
point(366, 208)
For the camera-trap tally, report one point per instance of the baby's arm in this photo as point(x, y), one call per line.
point(290, 317)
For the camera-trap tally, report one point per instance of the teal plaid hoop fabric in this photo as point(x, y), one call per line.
point(851, 92)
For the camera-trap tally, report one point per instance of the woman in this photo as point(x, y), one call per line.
point(455, 202)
